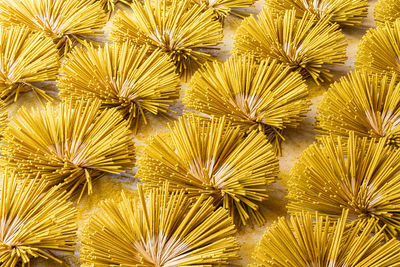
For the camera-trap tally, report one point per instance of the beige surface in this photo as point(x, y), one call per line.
point(296, 141)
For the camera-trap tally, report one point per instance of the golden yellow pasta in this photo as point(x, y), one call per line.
point(134, 80)
point(224, 8)
point(67, 22)
point(185, 32)
point(68, 144)
point(26, 59)
point(35, 221)
point(265, 96)
point(307, 240)
point(356, 173)
point(386, 11)
point(163, 229)
point(308, 47)
point(213, 158)
point(379, 50)
point(364, 103)
point(343, 12)
point(109, 5)
point(3, 118)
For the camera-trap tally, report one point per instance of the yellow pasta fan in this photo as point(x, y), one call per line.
point(163, 229)
point(182, 30)
point(343, 12)
point(355, 174)
point(379, 50)
point(213, 158)
point(131, 79)
point(386, 11)
point(307, 240)
point(306, 46)
point(67, 22)
point(267, 97)
point(35, 222)
point(26, 59)
point(364, 103)
point(68, 144)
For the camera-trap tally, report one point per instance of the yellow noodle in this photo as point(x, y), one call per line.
point(355, 174)
point(306, 240)
point(34, 221)
point(132, 79)
point(224, 8)
point(267, 97)
point(162, 229)
point(109, 5)
point(213, 158)
point(386, 11)
point(305, 45)
point(67, 22)
point(183, 31)
point(364, 103)
point(3, 118)
point(68, 144)
point(343, 12)
point(25, 59)
point(379, 50)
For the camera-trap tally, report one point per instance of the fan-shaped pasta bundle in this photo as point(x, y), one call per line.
point(343, 12)
point(386, 11)
point(379, 50)
point(67, 22)
point(210, 157)
point(185, 32)
point(35, 221)
point(306, 240)
point(305, 45)
point(68, 144)
point(134, 80)
point(364, 103)
point(356, 174)
point(25, 59)
point(265, 96)
point(163, 229)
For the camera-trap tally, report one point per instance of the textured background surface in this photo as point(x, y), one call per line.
point(296, 141)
